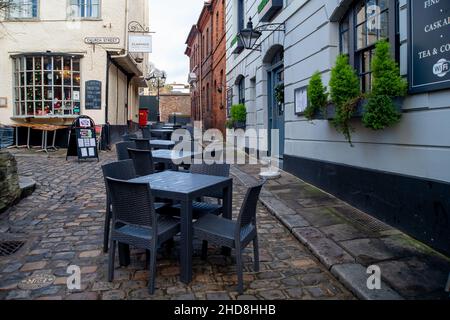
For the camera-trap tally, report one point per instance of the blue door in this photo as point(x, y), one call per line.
point(276, 108)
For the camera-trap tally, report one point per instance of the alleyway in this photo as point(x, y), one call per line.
point(62, 223)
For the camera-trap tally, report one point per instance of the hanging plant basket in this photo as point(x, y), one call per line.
point(279, 94)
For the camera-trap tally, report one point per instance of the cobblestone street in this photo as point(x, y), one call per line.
point(62, 222)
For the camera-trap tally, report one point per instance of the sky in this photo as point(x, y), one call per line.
point(172, 20)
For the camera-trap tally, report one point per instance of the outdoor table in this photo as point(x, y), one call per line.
point(165, 133)
point(184, 188)
point(46, 128)
point(171, 126)
point(162, 144)
point(23, 125)
point(169, 156)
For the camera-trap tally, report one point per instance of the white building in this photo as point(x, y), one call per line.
point(400, 174)
point(60, 59)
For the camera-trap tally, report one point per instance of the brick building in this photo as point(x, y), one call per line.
point(174, 102)
point(207, 52)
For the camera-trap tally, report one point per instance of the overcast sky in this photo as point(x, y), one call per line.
point(172, 21)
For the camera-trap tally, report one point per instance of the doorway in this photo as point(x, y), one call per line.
point(275, 110)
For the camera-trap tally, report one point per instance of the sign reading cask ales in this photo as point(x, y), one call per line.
point(429, 45)
point(93, 99)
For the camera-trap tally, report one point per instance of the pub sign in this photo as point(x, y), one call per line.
point(429, 45)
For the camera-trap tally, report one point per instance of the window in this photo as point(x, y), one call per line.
point(217, 27)
point(241, 90)
point(240, 15)
point(23, 9)
point(46, 85)
point(366, 23)
point(85, 8)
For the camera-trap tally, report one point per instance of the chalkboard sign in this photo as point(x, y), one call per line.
point(93, 95)
point(82, 139)
point(429, 45)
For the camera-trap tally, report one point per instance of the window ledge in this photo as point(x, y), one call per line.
point(22, 20)
point(83, 19)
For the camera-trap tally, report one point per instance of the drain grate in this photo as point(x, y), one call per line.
point(365, 221)
point(8, 248)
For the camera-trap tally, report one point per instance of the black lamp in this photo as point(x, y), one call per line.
point(249, 36)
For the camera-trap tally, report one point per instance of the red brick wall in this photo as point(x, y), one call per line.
point(211, 67)
point(170, 103)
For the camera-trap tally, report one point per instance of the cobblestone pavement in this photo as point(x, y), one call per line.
point(63, 225)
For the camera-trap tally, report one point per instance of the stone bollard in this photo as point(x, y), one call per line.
point(9, 180)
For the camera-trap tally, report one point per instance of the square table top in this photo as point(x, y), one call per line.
point(162, 130)
point(182, 183)
point(173, 154)
point(162, 142)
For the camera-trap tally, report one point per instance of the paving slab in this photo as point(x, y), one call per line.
point(355, 276)
point(411, 275)
point(328, 252)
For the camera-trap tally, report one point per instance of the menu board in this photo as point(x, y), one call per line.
point(93, 95)
point(82, 139)
point(429, 45)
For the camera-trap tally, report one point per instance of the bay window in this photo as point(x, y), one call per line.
point(23, 9)
point(85, 9)
point(367, 22)
point(46, 85)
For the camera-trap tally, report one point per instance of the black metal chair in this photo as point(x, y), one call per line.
point(122, 170)
point(233, 234)
point(136, 223)
point(200, 208)
point(142, 143)
point(122, 149)
point(129, 136)
point(143, 161)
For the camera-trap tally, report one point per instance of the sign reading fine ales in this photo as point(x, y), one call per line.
point(93, 98)
point(429, 45)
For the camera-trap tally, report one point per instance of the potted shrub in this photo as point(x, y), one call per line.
point(345, 94)
point(317, 98)
point(238, 115)
point(384, 103)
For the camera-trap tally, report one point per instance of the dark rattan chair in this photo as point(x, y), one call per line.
point(129, 137)
point(122, 170)
point(200, 208)
point(136, 223)
point(142, 143)
point(146, 132)
point(233, 234)
point(122, 149)
point(143, 161)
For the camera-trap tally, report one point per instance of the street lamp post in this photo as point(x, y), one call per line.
point(158, 79)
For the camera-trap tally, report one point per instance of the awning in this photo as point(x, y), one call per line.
point(128, 64)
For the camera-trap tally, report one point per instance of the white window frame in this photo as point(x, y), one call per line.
point(70, 12)
point(20, 3)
